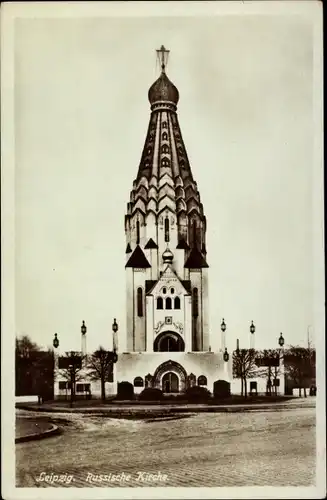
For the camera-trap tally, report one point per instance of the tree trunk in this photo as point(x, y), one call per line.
point(300, 392)
point(242, 385)
point(103, 390)
point(305, 392)
point(245, 387)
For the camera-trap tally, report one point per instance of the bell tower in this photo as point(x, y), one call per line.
point(165, 227)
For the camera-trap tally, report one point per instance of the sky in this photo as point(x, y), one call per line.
point(246, 116)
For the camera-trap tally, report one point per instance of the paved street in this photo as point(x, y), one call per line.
point(270, 448)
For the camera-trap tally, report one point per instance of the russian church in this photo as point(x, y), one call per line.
point(169, 343)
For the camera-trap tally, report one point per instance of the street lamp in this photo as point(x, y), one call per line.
point(55, 341)
point(83, 328)
point(281, 342)
point(115, 326)
point(115, 330)
point(223, 329)
point(72, 381)
point(252, 330)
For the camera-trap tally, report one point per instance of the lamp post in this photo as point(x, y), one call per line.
point(115, 330)
point(223, 329)
point(113, 353)
point(252, 331)
point(55, 344)
point(83, 332)
point(281, 342)
point(72, 382)
point(226, 359)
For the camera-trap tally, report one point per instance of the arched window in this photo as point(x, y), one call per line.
point(202, 380)
point(177, 303)
point(165, 136)
point(164, 125)
point(164, 149)
point(164, 290)
point(165, 162)
point(195, 302)
point(172, 291)
point(159, 303)
point(168, 303)
point(166, 229)
point(194, 232)
point(168, 341)
point(139, 302)
point(138, 382)
point(137, 232)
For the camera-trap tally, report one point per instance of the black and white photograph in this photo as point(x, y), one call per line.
point(163, 250)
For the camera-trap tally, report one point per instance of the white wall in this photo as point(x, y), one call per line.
point(26, 399)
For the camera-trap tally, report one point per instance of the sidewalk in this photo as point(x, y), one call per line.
point(28, 429)
point(144, 410)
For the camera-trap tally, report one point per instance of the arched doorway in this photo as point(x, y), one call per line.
point(170, 382)
point(170, 376)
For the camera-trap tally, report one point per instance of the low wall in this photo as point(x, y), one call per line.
point(27, 399)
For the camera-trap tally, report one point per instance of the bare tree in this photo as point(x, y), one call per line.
point(70, 366)
point(26, 358)
point(299, 365)
point(100, 364)
point(244, 366)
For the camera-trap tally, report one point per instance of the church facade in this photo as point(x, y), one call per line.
point(169, 344)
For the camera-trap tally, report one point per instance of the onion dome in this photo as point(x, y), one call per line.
point(167, 256)
point(163, 90)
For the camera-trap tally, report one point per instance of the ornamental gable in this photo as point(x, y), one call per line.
point(168, 280)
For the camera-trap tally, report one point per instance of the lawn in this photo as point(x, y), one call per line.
point(27, 426)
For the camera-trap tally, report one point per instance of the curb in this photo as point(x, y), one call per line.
point(159, 412)
point(39, 435)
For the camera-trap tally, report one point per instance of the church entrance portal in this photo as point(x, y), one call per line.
point(170, 377)
point(170, 383)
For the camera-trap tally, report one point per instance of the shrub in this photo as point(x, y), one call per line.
point(151, 394)
point(221, 389)
point(197, 394)
point(125, 391)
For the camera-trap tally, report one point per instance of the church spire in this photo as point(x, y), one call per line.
point(164, 180)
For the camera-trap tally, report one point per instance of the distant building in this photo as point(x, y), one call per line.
point(272, 373)
point(267, 374)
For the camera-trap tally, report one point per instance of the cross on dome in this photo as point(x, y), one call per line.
point(163, 90)
point(162, 55)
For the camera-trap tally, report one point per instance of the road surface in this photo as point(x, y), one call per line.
point(259, 448)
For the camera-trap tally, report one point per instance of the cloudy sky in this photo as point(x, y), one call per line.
point(246, 115)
